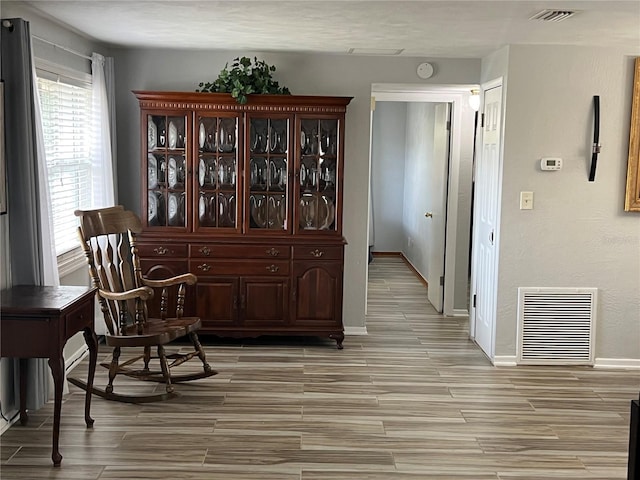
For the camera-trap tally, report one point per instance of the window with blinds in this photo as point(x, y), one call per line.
point(66, 124)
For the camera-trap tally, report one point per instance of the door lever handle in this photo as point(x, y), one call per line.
point(428, 214)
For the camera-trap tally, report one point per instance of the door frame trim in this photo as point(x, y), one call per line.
point(457, 95)
point(494, 83)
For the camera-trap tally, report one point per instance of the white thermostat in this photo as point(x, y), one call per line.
point(550, 163)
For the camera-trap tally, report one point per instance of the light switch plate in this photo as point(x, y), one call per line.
point(526, 200)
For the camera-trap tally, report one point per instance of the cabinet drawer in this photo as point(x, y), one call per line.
point(317, 252)
point(238, 267)
point(239, 251)
point(79, 318)
point(162, 250)
point(39, 336)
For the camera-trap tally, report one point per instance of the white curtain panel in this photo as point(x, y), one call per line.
point(102, 174)
point(41, 375)
point(47, 243)
point(110, 87)
point(103, 167)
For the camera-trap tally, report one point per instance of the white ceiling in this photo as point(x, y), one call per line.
point(463, 29)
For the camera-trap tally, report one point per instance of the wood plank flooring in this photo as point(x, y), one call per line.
point(413, 400)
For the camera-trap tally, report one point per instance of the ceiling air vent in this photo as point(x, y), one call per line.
point(553, 15)
point(375, 51)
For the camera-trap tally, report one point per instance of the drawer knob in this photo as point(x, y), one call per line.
point(274, 252)
point(161, 250)
point(273, 268)
point(205, 251)
point(205, 267)
point(317, 253)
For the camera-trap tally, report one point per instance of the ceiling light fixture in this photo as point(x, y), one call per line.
point(474, 99)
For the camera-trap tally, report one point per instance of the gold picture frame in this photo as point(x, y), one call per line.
point(632, 197)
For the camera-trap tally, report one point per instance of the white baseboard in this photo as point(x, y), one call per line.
point(4, 425)
point(626, 363)
point(617, 363)
point(504, 361)
point(75, 358)
point(460, 312)
point(355, 331)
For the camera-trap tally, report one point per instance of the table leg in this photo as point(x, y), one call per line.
point(92, 343)
point(23, 367)
point(57, 371)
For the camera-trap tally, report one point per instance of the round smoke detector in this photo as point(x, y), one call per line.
point(425, 70)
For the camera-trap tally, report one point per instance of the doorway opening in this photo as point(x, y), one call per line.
point(421, 160)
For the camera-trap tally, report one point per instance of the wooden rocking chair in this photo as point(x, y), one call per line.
point(108, 238)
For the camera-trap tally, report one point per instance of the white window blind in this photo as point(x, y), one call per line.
point(66, 121)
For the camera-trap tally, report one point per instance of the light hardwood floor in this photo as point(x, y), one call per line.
point(413, 400)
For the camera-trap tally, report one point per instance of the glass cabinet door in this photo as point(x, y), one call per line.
point(267, 174)
point(166, 170)
point(318, 174)
point(217, 172)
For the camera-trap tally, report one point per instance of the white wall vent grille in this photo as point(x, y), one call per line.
point(553, 15)
point(556, 326)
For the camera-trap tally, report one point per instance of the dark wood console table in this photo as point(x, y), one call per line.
point(36, 322)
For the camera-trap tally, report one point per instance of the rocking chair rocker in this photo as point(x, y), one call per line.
point(108, 238)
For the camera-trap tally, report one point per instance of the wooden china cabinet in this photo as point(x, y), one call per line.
point(248, 198)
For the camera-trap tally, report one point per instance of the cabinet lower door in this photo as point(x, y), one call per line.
point(217, 301)
point(264, 302)
point(317, 294)
point(160, 269)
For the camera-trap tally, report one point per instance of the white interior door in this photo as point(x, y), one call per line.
point(486, 207)
point(436, 214)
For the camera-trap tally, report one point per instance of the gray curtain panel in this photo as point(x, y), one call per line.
point(22, 184)
point(20, 135)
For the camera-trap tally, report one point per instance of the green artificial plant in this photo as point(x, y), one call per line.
point(244, 78)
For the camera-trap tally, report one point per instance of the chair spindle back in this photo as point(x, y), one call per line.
point(108, 239)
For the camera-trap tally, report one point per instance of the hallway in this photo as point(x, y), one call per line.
point(413, 400)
